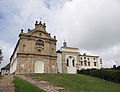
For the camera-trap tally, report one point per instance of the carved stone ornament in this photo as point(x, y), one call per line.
point(40, 42)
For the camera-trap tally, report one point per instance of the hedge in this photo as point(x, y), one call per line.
point(107, 74)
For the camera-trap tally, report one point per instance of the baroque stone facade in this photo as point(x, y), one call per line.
point(35, 52)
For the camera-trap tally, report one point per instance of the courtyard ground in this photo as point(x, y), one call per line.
point(6, 84)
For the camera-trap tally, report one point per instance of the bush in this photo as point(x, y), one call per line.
point(107, 74)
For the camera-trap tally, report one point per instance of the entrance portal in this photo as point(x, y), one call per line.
point(39, 66)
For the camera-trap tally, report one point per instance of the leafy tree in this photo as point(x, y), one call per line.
point(1, 56)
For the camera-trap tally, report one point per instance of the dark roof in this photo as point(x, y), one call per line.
point(70, 47)
point(7, 67)
point(58, 51)
point(89, 56)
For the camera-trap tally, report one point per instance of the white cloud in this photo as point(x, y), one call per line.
point(91, 25)
point(7, 49)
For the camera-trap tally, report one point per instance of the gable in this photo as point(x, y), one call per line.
point(39, 33)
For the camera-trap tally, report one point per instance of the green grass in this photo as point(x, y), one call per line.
point(79, 82)
point(24, 86)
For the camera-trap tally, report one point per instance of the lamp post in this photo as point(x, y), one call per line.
point(101, 62)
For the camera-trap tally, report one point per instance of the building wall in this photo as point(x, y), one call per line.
point(35, 45)
point(66, 53)
point(90, 59)
point(5, 72)
point(13, 61)
point(59, 62)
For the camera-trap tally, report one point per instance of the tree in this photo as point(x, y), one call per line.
point(1, 56)
point(114, 67)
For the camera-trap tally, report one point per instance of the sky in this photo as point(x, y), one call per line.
point(93, 26)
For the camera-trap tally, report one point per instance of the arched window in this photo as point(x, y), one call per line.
point(67, 62)
point(73, 62)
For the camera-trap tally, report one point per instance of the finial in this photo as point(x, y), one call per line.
point(54, 37)
point(21, 30)
point(40, 22)
point(44, 24)
point(36, 22)
point(49, 34)
point(28, 30)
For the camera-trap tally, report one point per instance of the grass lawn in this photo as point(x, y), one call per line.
point(79, 82)
point(24, 86)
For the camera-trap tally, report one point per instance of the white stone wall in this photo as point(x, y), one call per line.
point(71, 69)
point(91, 60)
point(5, 72)
point(59, 62)
point(13, 63)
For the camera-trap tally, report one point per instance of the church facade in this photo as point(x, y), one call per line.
point(35, 52)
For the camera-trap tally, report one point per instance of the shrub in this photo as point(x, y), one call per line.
point(107, 74)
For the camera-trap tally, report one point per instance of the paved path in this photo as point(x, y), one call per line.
point(43, 84)
point(6, 84)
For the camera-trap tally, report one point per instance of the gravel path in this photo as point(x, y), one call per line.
point(43, 84)
point(6, 84)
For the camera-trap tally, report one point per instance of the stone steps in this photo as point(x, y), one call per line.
point(43, 84)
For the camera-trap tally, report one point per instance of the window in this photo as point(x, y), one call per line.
point(88, 63)
point(88, 58)
point(39, 50)
point(70, 57)
point(81, 58)
point(94, 63)
point(67, 62)
point(81, 63)
point(94, 58)
point(84, 57)
point(73, 61)
point(85, 63)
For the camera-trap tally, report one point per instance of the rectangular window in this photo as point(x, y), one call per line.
point(81, 63)
point(94, 63)
point(73, 61)
point(88, 63)
point(88, 58)
point(85, 63)
point(94, 58)
point(67, 62)
point(81, 58)
point(84, 57)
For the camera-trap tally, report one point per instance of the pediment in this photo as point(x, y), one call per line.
point(39, 33)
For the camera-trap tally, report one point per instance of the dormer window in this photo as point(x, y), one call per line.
point(40, 42)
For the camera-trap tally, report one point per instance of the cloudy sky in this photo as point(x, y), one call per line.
point(93, 26)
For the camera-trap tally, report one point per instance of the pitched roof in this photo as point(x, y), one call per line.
point(7, 67)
